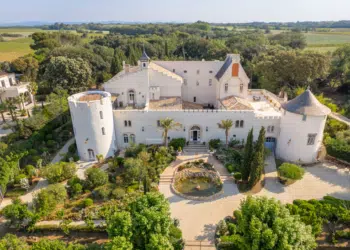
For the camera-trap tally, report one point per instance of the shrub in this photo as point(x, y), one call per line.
point(338, 148)
point(291, 171)
point(233, 143)
point(30, 170)
point(177, 143)
point(74, 186)
point(237, 176)
point(342, 234)
point(229, 168)
point(10, 241)
point(95, 177)
point(19, 177)
point(46, 200)
point(118, 193)
point(87, 202)
point(270, 219)
point(59, 171)
point(214, 143)
point(17, 213)
point(72, 148)
point(102, 192)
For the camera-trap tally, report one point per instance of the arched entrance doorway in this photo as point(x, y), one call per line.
point(195, 134)
point(91, 154)
point(131, 96)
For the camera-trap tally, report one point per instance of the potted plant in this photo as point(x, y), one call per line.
point(237, 176)
point(179, 150)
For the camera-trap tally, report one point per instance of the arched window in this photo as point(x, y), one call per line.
point(131, 95)
point(126, 138)
point(91, 154)
point(237, 124)
point(101, 115)
point(226, 87)
point(103, 131)
point(132, 138)
point(241, 123)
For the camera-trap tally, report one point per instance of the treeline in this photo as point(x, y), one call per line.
point(290, 25)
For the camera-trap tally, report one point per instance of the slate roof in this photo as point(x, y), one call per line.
point(224, 67)
point(306, 104)
point(144, 56)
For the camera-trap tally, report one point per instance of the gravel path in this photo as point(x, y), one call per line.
point(198, 219)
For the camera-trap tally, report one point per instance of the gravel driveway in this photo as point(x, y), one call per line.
point(198, 218)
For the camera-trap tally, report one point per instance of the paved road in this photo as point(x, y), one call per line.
point(198, 219)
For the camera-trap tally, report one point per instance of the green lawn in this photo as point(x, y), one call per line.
point(13, 49)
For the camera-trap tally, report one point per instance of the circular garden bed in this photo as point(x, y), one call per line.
point(197, 180)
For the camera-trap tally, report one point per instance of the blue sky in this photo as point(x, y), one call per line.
point(175, 10)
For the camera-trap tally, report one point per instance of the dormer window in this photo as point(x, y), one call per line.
point(226, 87)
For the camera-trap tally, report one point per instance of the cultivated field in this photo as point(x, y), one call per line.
point(12, 49)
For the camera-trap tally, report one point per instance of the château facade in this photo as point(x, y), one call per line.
point(198, 95)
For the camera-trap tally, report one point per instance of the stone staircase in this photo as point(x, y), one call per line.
point(226, 178)
point(199, 245)
point(166, 179)
point(193, 147)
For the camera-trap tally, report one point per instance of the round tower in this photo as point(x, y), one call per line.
point(93, 125)
point(301, 129)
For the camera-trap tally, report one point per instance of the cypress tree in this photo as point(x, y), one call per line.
point(257, 165)
point(166, 49)
point(247, 157)
point(117, 61)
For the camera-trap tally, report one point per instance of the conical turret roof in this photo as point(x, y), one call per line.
point(144, 56)
point(306, 104)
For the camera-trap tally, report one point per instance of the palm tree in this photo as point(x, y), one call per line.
point(3, 109)
point(166, 125)
point(21, 98)
point(33, 88)
point(11, 107)
point(226, 125)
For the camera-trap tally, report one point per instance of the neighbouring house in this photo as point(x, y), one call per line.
point(198, 95)
point(11, 88)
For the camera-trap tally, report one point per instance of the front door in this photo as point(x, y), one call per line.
point(195, 135)
point(91, 154)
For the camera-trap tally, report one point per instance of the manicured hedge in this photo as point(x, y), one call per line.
point(177, 142)
point(338, 148)
point(291, 171)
